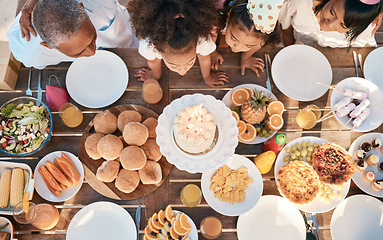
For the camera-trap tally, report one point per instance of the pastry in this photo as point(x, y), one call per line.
point(127, 181)
point(360, 155)
point(105, 122)
point(135, 133)
point(360, 165)
point(151, 123)
point(369, 176)
point(380, 167)
point(108, 171)
point(126, 117)
point(377, 185)
point(372, 159)
point(376, 143)
point(110, 147)
point(132, 158)
point(151, 173)
point(152, 150)
point(365, 146)
point(91, 145)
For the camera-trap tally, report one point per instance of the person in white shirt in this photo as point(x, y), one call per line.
point(331, 23)
point(67, 29)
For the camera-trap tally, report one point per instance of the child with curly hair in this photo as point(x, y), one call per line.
point(177, 32)
point(242, 33)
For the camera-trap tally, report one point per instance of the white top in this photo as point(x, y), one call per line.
point(147, 50)
point(110, 19)
point(307, 28)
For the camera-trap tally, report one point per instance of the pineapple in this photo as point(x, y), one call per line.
point(253, 111)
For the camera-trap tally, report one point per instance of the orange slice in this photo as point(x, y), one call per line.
point(179, 229)
point(184, 222)
point(161, 217)
point(275, 107)
point(169, 213)
point(275, 122)
point(150, 234)
point(249, 134)
point(173, 234)
point(249, 90)
point(236, 116)
point(241, 127)
point(151, 226)
point(239, 96)
point(25, 201)
point(155, 222)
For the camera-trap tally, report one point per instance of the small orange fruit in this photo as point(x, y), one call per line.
point(150, 234)
point(161, 217)
point(184, 222)
point(173, 234)
point(249, 134)
point(169, 213)
point(155, 222)
point(275, 107)
point(236, 116)
point(179, 229)
point(241, 127)
point(239, 96)
point(25, 201)
point(249, 90)
point(275, 122)
point(151, 227)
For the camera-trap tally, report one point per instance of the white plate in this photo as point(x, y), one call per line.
point(358, 217)
point(272, 218)
point(357, 177)
point(227, 134)
point(373, 66)
point(97, 81)
point(317, 205)
point(100, 221)
point(227, 101)
point(297, 68)
point(375, 118)
point(193, 234)
point(43, 190)
point(9, 228)
point(253, 193)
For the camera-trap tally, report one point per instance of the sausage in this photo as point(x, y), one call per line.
point(342, 103)
point(360, 108)
point(345, 110)
point(45, 176)
point(363, 116)
point(57, 174)
point(77, 174)
point(67, 169)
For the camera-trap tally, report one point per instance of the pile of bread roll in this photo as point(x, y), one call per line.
point(130, 158)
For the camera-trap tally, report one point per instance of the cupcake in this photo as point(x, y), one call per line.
point(360, 165)
point(377, 185)
point(372, 159)
point(369, 176)
point(366, 146)
point(380, 167)
point(360, 155)
point(376, 143)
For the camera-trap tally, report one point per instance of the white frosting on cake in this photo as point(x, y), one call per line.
point(264, 13)
point(194, 129)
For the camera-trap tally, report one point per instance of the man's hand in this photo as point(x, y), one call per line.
point(25, 20)
point(378, 22)
point(253, 63)
point(216, 59)
point(144, 74)
point(216, 79)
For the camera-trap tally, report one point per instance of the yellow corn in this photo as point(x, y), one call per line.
point(5, 188)
point(17, 187)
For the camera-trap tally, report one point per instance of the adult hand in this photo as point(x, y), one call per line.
point(216, 59)
point(253, 63)
point(216, 79)
point(144, 74)
point(25, 20)
point(378, 22)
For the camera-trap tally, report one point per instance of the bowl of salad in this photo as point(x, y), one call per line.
point(25, 126)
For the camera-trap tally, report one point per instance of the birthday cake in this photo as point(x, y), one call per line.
point(195, 130)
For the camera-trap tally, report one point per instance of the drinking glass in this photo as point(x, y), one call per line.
point(42, 216)
point(191, 195)
point(211, 227)
point(70, 115)
point(152, 91)
point(307, 117)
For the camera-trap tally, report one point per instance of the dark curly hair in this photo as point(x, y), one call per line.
point(357, 16)
point(173, 26)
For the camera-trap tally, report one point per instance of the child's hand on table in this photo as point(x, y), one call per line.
point(144, 74)
point(253, 63)
point(216, 59)
point(216, 79)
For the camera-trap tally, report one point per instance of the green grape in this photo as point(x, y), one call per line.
point(315, 144)
point(310, 149)
point(300, 158)
point(297, 153)
point(303, 144)
point(293, 155)
point(308, 159)
point(286, 159)
point(303, 152)
point(293, 148)
point(309, 143)
point(297, 145)
point(270, 131)
point(260, 134)
point(258, 129)
point(287, 150)
point(309, 154)
point(264, 131)
point(292, 159)
point(267, 135)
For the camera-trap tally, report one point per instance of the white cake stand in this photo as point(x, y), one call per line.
point(227, 134)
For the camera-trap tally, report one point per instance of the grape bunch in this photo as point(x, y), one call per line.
point(263, 130)
point(300, 151)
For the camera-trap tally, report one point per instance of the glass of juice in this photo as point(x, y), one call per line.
point(211, 227)
point(42, 216)
point(307, 117)
point(152, 91)
point(70, 115)
point(191, 195)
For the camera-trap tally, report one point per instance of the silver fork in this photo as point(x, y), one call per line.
point(355, 62)
point(39, 90)
point(29, 91)
point(267, 62)
point(313, 218)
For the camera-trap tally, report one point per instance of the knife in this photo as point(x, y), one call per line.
point(39, 90)
point(315, 223)
point(267, 61)
point(138, 220)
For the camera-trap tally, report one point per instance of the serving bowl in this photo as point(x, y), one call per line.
point(26, 149)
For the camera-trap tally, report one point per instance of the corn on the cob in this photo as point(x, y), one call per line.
point(5, 188)
point(17, 187)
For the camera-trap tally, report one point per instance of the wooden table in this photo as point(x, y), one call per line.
point(175, 86)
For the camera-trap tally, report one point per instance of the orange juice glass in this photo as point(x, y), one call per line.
point(42, 216)
point(191, 195)
point(152, 91)
point(70, 115)
point(308, 116)
point(211, 227)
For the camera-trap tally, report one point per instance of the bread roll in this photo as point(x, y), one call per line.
point(151, 123)
point(108, 171)
point(105, 122)
point(152, 150)
point(110, 147)
point(123, 141)
point(126, 117)
point(135, 133)
point(132, 158)
point(91, 145)
point(127, 181)
point(151, 173)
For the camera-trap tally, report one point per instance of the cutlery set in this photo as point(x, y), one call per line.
point(358, 58)
point(39, 89)
point(311, 222)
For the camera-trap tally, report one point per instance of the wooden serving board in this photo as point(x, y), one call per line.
point(90, 166)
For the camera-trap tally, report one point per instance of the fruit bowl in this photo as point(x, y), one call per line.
point(26, 126)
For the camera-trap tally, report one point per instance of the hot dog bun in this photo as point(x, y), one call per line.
point(57, 174)
point(47, 178)
point(69, 171)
